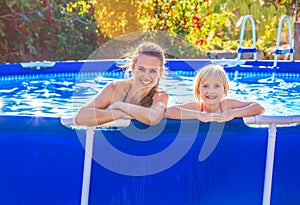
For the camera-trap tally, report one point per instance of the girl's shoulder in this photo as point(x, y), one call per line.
point(230, 103)
point(190, 105)
point(230, 100)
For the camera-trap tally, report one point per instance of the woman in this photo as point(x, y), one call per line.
point(138, 97)
point(210, 90)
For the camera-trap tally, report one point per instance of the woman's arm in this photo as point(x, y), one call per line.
point(97, 111)
point(91, 116)
point(152, 115)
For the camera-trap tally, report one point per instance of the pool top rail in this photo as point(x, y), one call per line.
point(266, 119)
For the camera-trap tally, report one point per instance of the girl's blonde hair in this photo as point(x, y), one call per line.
point(211, 70)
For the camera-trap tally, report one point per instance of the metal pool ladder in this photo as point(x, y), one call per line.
point(253, 50)
point(247, 50)
point(289, 50)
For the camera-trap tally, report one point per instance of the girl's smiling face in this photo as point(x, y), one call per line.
point(211, 90)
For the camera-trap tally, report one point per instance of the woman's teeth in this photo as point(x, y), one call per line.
point(146, 82)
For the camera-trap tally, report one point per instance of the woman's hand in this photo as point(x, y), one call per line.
point(116, 105)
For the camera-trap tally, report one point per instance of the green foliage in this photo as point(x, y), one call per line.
point(286, 1)
point(192, 20)
point(116, 17)
point(37, 30)
point(205, 24)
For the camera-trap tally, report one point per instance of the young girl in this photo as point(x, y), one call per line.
point(137, 98)
point(210, 88)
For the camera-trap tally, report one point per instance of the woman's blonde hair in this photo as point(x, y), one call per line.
point(147, 48)
point(151, 49)
point(211, 70)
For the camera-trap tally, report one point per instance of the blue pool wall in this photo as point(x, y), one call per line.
point(42, 160)
point(171, 64)
point(42, 163)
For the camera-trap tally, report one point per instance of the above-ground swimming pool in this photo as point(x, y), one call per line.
point(49, 93)
point(174, 162)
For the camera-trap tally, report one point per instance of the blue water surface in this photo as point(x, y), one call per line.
point(62, 94)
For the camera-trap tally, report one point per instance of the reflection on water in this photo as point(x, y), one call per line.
point(59, 95)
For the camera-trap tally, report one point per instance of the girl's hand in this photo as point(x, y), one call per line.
point(210, 117)
point(227, 116)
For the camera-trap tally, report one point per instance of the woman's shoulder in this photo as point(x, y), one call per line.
point(160, 94)
point(161, 91)
point(118, 84)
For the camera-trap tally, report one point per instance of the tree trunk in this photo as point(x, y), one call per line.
point(297, 41)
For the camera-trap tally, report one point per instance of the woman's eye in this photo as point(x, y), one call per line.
point(141, 69)
point(153, 71)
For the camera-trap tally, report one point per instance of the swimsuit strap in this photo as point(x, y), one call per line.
point(125, 97)
point(202, 107)
point(220, 106)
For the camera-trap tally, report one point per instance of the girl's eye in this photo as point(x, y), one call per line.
point(153, 71)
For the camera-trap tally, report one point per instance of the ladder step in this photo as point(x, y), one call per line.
point(284, 51)
point(246, 50)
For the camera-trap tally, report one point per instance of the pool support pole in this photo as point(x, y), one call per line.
point(87, 166)
point(269, 164)
point(272, 121)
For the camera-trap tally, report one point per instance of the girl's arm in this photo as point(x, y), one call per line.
point(183, 111)
point(152, 115)
point(190, 111)
point(96, 112)
point(236, 108)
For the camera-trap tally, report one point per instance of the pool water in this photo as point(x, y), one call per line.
point(62, 94)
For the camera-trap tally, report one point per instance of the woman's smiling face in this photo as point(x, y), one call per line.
point(147, 71)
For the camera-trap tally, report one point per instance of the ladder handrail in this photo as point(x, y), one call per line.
point(284, 51)
point(252, 50)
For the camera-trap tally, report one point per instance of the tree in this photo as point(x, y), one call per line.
point(204, 24)
point(116, 17)
point(37, 30)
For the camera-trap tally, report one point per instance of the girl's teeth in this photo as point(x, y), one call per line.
point(210, 97)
